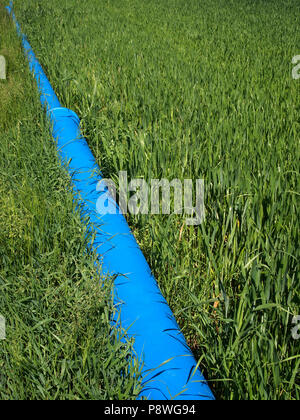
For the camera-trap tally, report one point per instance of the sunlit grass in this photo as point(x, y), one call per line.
point(59, 340)
point(199, 89)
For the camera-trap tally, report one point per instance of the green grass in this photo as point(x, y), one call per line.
point(199, 89)
point(60, 344)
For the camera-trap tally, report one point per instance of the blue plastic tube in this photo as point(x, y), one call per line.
point(170, 370)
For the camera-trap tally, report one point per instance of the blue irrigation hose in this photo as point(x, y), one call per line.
point(170, 370)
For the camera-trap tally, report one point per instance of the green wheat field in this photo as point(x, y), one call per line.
point(198, 89)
